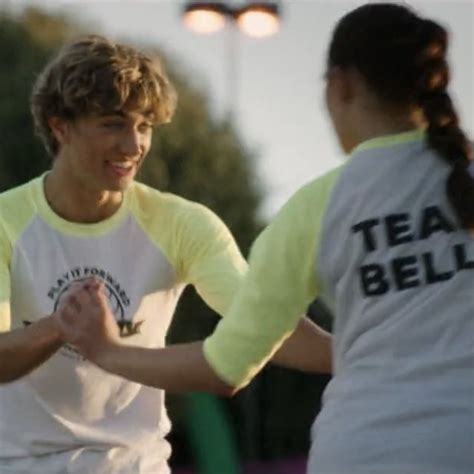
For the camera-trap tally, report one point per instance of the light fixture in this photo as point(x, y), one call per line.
point(204, 17)
point(259, 19)
point(256, 19)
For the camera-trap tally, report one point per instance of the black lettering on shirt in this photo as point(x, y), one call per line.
point(432, 276)
point(462, 262)
point(373, 280)
point(366, 227)
point(432, 221)
point(397, 227)
point(405, 272)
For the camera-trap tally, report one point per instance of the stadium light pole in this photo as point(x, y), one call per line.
point(255, 19)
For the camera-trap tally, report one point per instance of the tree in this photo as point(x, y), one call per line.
point(21, 57)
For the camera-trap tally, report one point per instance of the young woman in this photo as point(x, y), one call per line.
point(385, 240)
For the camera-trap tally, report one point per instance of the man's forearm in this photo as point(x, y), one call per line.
point(308, 349)
point(22, 350)
point(176, 368)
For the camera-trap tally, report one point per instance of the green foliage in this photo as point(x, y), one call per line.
point(25, 45)
point(49, 31)
point(21, 155)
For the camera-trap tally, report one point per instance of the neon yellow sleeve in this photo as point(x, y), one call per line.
point(17, 209)
point(210, 258)
point(5, 317)
point(197, 243)
point(279, 286)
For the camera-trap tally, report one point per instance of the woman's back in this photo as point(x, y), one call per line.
point(400, 268)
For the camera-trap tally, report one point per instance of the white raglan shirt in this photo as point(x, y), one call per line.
point(68, 416)
point(379, 242)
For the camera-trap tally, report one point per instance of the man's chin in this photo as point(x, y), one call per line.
point(120, 185)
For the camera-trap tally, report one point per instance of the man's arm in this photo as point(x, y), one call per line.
point(22, 350)
point(212, 262)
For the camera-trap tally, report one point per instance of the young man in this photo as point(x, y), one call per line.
point(95, 106)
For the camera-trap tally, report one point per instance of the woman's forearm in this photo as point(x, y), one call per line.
point(176, 368)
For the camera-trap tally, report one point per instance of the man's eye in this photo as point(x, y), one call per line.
point(145, 127)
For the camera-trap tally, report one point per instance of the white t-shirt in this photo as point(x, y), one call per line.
point(68, 415)
point(379, 242)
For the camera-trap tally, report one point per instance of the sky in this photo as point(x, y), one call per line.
point(276, 96)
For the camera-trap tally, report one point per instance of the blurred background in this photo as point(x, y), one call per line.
point(250, 129)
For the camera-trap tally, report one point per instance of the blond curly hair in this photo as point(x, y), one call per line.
point(95, 76)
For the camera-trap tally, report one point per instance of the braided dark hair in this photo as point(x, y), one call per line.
point(402, 57)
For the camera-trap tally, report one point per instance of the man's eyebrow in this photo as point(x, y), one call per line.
point(120, 113)
point(111, 114)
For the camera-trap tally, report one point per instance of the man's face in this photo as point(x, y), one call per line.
point(104, 152)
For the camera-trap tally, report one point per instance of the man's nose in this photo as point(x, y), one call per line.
point(131, 143)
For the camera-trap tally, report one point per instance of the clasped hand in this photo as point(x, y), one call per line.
point(85, 320)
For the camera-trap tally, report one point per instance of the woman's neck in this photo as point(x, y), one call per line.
point(372, 122)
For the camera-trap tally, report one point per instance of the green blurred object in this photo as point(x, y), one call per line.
point(210, 435)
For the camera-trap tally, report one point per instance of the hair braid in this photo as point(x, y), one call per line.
point(444, 132)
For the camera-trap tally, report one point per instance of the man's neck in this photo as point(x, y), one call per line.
point(78, 204)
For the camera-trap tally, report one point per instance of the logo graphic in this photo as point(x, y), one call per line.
point(116, 295)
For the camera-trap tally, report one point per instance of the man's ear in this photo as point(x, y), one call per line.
point(60, 129)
